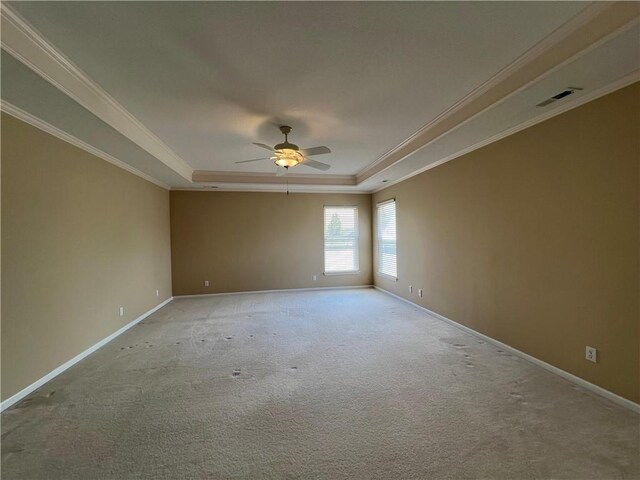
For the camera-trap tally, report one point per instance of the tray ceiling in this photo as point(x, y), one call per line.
point(208, 78)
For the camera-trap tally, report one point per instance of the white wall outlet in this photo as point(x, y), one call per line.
point(419, 292)
point(591, 354)
point(157, 293)
point(410, 288)
point(206, 283)
point(315, 278)
point(122, 311)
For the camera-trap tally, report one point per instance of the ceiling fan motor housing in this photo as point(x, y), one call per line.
point(290, 146)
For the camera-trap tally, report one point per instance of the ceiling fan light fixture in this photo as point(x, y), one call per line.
point(287, 157)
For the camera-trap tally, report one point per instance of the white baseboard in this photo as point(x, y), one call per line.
point(272, 291)
point(54, 373)
point(566, 375)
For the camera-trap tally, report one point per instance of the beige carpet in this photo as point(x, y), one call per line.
point(346, 384)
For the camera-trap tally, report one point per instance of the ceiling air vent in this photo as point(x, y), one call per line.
point(558, 96)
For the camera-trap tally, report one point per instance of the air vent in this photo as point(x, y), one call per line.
point(558, 96)
point(562, 94)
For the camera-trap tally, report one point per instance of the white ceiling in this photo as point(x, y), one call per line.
point(209, 78)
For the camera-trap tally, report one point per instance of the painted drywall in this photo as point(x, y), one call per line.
point(534, 240)
point(80, 238)
point(240, 241)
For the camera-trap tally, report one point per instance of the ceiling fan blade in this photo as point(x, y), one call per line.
point(253, 160)
point(315, 151)
point(263, 146)
point(281, 171)
point(314, 164)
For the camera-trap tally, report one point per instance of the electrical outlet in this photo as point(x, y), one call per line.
point(410, 288)
point(121, 311)
point(206, 283)
point(419, 292)
point(591, 354)
point(315, 277)
point(157, 293)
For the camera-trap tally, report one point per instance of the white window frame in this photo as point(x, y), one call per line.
point(379, 240)
point(356, 244)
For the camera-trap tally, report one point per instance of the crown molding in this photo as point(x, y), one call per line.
point(76, 142)
point(209, 176)
point(589, 28)
point(559, 110)
point(30, 47)
point(258, 189)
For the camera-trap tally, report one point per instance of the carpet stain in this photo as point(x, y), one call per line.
point(11, 449)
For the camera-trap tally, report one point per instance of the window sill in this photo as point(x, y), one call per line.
point(388, 277)
point(329, 274)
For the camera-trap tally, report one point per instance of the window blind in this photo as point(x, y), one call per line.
point(386, 237)
point(340, 239)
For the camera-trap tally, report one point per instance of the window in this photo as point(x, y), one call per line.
point(386, 236)
point(340, 240)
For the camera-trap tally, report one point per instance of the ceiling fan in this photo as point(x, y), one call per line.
point(287, 155)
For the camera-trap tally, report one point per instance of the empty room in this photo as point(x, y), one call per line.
point(320, 240)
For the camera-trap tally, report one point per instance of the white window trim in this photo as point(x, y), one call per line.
point(377, 267)
point(357, 225)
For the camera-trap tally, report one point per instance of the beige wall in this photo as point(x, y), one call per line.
point(257, 241)
point(80, 237)
point(534, 240)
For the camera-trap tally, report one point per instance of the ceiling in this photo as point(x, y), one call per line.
point(169, 88)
